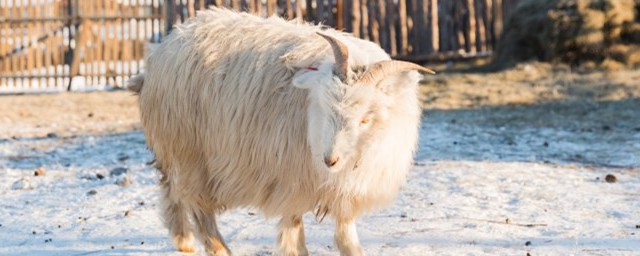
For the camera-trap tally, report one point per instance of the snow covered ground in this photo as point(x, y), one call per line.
point(476, 189)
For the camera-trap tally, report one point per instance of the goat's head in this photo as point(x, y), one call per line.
point(348, 106)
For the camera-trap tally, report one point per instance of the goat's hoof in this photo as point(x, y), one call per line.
point(185, 243)
point(187, 249)
point(218, 253)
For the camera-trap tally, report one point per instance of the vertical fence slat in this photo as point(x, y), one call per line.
point(497, 18)
point(48, 46)
point(29, 39)
point(320, 11)
point(402, 12)
point(487, 24)
point(435, 25)
point(23, 44)
point(480, 32)
point(309, 12)
point(95, 34)
point(419, 41)
point(191, 8)
point(259, 7)
point(364, 17)
point(271, 7)
point(299, 15)
point(91, 43)
point(252, 6)
point(135, 33)
point(18, 44)
point(56, 47)
point(15, 57)
point(15, 30)
point(411, 26)
point(101, 40)
point(4, 44)
point(116, 43)
point(38, 45)
point(339, 17)
point(330, 15)
point(125, 40)
point(375, 23)
point(289, 9)
point(355, 10)
point(81, 67)
point(471, 31)
point(391, 23)
point(383, 31)
point(170, 12)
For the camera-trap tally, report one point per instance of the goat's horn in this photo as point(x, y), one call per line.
point(382, 69)
point(341, 54)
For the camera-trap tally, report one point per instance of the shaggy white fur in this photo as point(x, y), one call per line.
point(243, 111)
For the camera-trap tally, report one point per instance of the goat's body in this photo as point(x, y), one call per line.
point(229, 130)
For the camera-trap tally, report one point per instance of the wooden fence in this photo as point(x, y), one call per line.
point(53, 45)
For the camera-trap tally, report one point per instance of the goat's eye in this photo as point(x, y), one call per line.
point(365, 120)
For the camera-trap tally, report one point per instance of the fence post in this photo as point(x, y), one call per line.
point(74, 56)
point(170, 10)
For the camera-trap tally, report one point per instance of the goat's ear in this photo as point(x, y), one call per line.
point(311, 77)
point(399, 83)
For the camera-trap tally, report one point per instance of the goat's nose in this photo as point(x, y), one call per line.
point(331, 161)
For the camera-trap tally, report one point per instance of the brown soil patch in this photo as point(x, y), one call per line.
point(528, 84)
point(67, 114)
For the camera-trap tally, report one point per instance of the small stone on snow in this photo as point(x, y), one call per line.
point(123, 181)
point(118, 171)
point(24, 183)
point(39, 172)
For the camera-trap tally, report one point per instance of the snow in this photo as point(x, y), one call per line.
point(474, 190)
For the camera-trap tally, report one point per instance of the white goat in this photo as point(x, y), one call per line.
point(242, 111)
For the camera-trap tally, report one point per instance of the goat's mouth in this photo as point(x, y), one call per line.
point(332, 169)
point(342, 165)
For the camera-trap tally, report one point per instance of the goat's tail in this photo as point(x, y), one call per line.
point(135, 83)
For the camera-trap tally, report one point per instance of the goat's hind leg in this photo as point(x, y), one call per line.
point(176, 219)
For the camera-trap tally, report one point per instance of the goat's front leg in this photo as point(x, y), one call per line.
point(208, 233)
point(291, 237)
point(347, 238)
